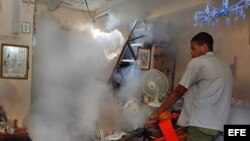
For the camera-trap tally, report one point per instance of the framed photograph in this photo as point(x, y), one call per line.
point(14, 61)
point(143, 56)
point(26, 27)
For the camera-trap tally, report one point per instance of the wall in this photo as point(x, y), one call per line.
point(15, 94)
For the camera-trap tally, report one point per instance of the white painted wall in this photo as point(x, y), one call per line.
point(15, 95)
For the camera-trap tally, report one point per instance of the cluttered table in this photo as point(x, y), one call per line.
point(19, 135)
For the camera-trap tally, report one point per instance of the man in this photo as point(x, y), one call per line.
point(207, 85)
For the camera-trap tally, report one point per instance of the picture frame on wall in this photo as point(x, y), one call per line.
point(26, 27)
point(143, 57)
point(14, 61)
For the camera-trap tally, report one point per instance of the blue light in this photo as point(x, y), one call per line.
point(210, 16)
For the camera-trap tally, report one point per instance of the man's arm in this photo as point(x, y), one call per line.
point(176, 94)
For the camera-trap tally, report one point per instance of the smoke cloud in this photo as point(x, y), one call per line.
point(135, 112)
point(69, 81)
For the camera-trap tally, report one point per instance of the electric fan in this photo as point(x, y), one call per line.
point(155, 85)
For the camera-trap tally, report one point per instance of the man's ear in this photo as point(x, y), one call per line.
point(204, 47)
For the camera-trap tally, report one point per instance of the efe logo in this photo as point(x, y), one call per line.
point(237, 132)
point(240, 132)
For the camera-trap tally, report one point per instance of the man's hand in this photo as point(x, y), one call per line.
point(176, 94)
point(154, 116)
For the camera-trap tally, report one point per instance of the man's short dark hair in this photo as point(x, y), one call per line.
point(204, 38)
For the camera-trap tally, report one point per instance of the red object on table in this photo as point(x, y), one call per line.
point(21, 131)
point(167, 129)
point(20, 135)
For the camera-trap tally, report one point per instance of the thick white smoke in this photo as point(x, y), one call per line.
point(69, 81)
point(135, 112)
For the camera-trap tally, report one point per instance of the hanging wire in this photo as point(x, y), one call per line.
point(91, 16)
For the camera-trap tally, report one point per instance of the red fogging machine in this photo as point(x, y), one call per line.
point(163, 129)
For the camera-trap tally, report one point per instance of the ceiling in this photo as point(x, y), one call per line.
point(97, 7)
point(93, 5)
